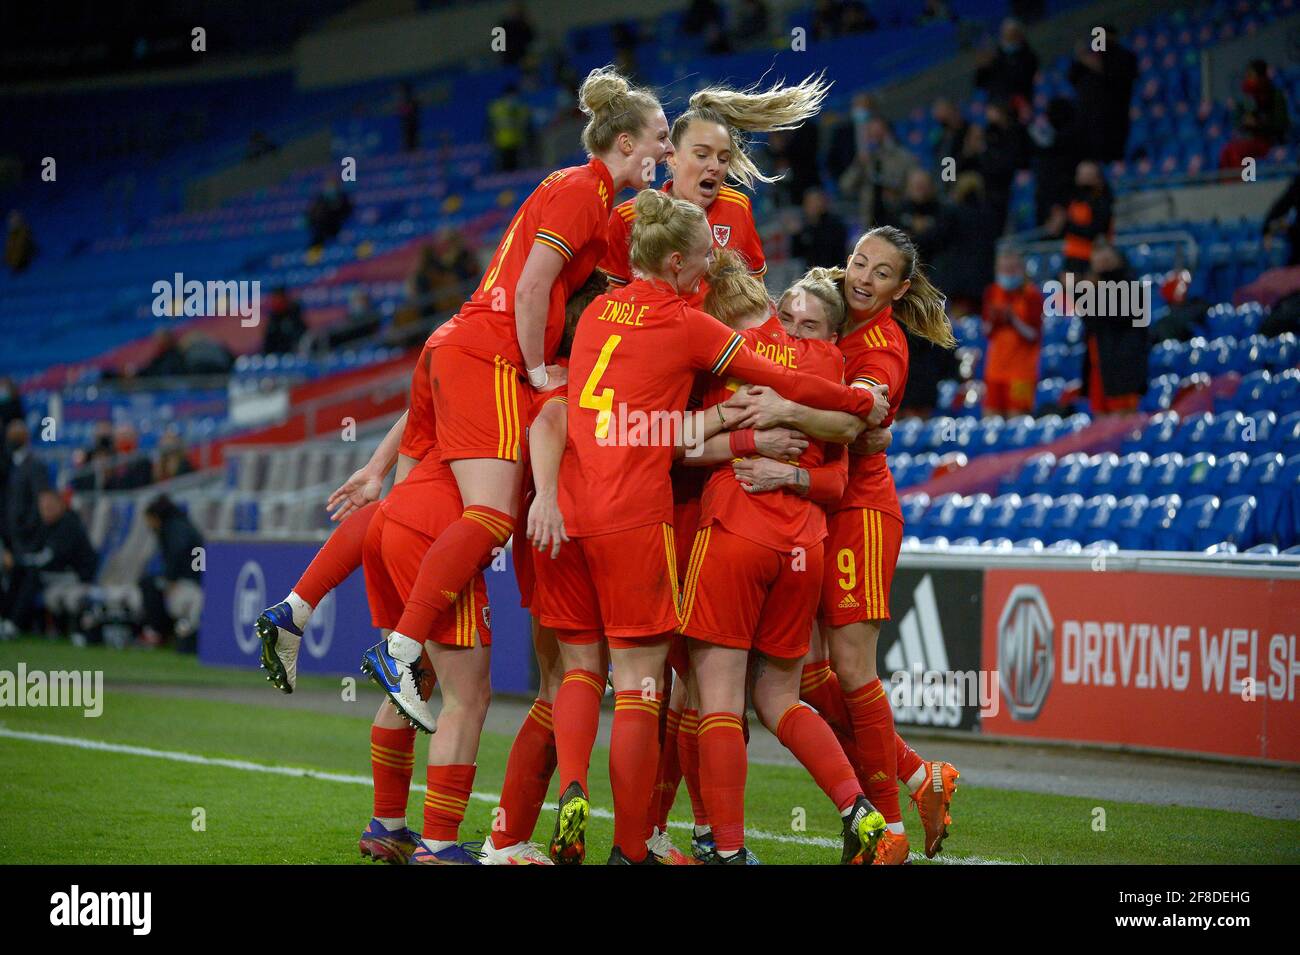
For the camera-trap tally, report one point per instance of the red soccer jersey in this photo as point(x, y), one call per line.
point(730, 216)
point(777, 519)
point(634, 357)
point(418, 437)
point(568, 212)
point(875, 353)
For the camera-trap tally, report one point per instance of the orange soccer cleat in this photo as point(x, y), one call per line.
point(932, 802)
point(892, 849)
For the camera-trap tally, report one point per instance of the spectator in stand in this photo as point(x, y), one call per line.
point(67, 562)
point(519, 34)
point(1088, 216)
point(173, 600)
point(1013, 322)
point(1120, 67)
point(824, 238)
point(794, 154)
point(878, 173)
point(1006, 151)
point(173, 460)
point(91, 465)
point(1007, 73)
point(327, 213)
point(951, 134)
point(361, 322)
point(1103, 84)
point(1283, 219)
point(167, 361)
point(408, 115)
point(11, 402)
point(509, 128)
point(751, 22)
point(848, 133)
point(1058, 150)
point(964, 253)
point(204, 355)
point(130, 469)
point(285, 327)
point(1261, 117)
point(23, 531)
point(919, 214)
point(20, 247)
point(1115, 365)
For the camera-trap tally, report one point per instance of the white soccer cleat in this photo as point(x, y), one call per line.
point(660, 845)
point(281, 639)
point(521, 853)
point(395, 666)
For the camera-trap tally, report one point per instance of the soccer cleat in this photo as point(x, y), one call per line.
point(521, 853)
point(738, 858)
point(458, 853)
point(280, 642)
point(891, 849)
point(703, 848)
point(616, 857)
point(402, 682)
point(932, 802)
point(393, 846)
point(661, 847)
point(569, 841)
point(863, 828)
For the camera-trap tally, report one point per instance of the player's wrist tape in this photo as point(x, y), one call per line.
point(743, 443)
point(538, 377)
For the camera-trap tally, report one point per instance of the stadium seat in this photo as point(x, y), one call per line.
point(914, 507)
point(1264, 550)
point(1158, 436)
point(1062, 522)
point(1070, 475)
point(972, 521)
point(1032, 518)
point(945, 515)
point(1286, 437)
point(1225, 432)
point(1153, 529)
point(1094, 518)
point(1229, 471)
point(1128, 476)
point(1234, 522)
point(1126, 519)
point(1196, 476)
point(1191, 527)
point(1000, 517)
point(1165, 473)
point(1193, 433)
point(1035, 474)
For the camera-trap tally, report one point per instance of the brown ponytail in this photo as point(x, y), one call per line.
point(921, 309)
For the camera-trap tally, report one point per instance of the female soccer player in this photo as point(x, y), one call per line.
point(507, 333)
point(753, 585)
point(634, 356)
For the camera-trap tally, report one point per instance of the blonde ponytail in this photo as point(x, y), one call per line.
point(614, 106)
point(663, 225)
point(752, 111)
point(827, 286)
point(734, 292)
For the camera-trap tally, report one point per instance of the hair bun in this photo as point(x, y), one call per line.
point(654, 206)
point(601, 90)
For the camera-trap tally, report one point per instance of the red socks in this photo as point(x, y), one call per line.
point(820, 688)
point(723, 765)
point(576, 717)
point(446, 799)
point(392, 760)
point(337, 557)
point(873, 728)
point(688, 755)
point(451, 562)
point(528, 776)
point(669, 775)
point(806, 735)
point(633, 759)
point(908, 761)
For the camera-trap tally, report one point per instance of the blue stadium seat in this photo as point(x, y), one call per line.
point(1285, 390)
point(1191, 526)
point(1019, 433)
point(1124, 526)
point(1032, 519)
point(1265, 550)
point(1281, 353)
point(1153, 528)
point(1000, 517)
point(1193, 433)
point(1035, 474)
point(1071, 475)
point(1196, 476)
point(1235, 522)
point(1225, 432)
point(1159, 434)
point(1164, 473)
point(1128, 476)
point(1229, 473)
point(973, 520)
point(1094, 518)
point(1286, 437)
point(944, 514)
point(914, 507)
point(1265, 427)
point(1100, 469)
point(1062, 521)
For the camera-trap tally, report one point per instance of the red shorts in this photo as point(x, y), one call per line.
point(751, 597)
point(391, 557)
point(420, 435)
point(623, 584)
point(861, 554)
point(478, 405)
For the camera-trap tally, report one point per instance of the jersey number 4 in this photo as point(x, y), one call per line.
point(602, 403)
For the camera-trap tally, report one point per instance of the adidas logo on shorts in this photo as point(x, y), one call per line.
point(848, 601)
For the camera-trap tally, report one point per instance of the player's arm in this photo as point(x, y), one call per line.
point(812, 390)
point(532, 301)
point(546, 439)
point(764, 408)
point(367, 481)
point(780, 444)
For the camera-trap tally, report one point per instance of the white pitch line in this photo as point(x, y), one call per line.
point(820, 842)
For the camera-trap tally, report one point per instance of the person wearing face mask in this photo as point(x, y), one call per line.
point(1013, 322)
point(708, 150)
point(1008, 72)
point(1088, 216)
point(635, 355)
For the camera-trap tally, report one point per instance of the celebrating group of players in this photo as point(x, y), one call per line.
point(701, 474)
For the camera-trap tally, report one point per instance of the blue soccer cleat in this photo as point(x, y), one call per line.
point(404, 683)
point(458, 853)
point(393, 846)
point(705, 850)
point(280, 642)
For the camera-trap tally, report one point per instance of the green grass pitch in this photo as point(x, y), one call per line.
point(66, 804)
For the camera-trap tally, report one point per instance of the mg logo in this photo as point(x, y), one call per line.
point(1025, 651)
point(250, 600)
